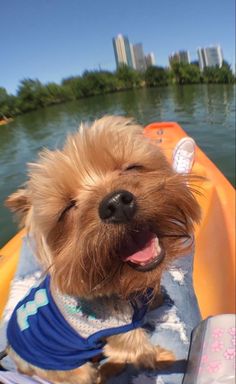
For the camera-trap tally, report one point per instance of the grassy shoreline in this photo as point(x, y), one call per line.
point(32, 94)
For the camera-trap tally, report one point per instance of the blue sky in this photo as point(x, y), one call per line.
point(52, 39)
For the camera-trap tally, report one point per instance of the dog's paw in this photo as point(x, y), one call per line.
point(108, 370)
point(156, 359)
point(164, 358)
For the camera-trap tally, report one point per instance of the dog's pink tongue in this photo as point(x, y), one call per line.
point(148, 251)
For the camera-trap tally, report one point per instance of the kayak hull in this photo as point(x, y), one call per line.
point(214, 260)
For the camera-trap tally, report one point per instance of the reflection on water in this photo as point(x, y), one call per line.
point(206, 112)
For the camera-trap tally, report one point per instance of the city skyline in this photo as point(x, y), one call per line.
point(130, 54)
point(134, 57)
point(51, 40)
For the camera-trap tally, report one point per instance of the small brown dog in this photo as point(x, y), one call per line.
point(108, 214)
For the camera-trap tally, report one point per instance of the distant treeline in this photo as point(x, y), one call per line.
point(32, 94)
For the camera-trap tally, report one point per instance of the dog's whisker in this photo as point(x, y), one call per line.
point(175, 235)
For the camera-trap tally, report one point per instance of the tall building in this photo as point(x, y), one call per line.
point(179, 57)
point(122, 51)
point(150, 59)
point(139, 57)
point(132, 55)
point(210, 57)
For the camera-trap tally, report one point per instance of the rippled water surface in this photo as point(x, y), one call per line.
point(207, 113)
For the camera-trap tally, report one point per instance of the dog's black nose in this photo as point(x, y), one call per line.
point(118, 207)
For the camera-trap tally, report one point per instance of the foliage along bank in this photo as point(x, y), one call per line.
point(32, 94)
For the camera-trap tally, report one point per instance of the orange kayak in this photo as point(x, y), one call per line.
point(5, 121)
point(214, 266)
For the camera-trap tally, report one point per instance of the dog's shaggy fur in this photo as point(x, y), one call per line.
point(83, 253)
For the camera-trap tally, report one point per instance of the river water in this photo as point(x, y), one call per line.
point(206, 112)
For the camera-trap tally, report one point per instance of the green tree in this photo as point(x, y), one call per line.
point(128, 78)
point(4, 108)
point(226, 75)
point(92, 83)
point(8, 104)
point(75, 84)
point(218, 75)
point(184, 73)
point(32, 94)
point(58, 93)
point(98, 82)
point(156, 76)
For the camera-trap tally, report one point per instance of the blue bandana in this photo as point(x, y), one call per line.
point(39, 334)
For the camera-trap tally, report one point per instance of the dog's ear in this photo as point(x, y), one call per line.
point(19, 203)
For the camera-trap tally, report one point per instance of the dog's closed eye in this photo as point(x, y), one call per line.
point(134, 167)
point(71, 204)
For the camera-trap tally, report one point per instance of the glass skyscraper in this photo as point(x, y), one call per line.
point(139, 57)
point(122, 51)
point(210, 57)
point(179, 57)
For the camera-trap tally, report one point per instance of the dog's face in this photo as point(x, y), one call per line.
point(107, 211)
